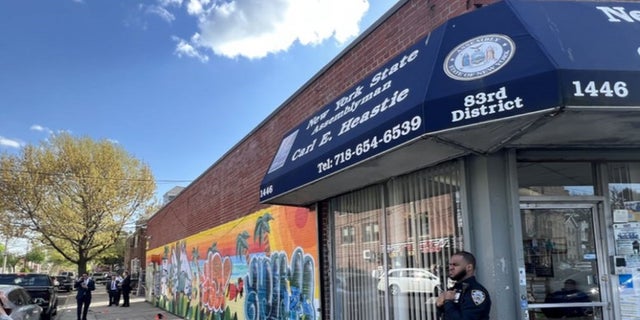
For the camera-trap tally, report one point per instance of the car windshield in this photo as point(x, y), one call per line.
point(25, 280)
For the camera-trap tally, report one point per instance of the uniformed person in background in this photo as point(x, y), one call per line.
point(468, 299)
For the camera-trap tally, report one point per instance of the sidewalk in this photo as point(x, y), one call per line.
point(99, 309)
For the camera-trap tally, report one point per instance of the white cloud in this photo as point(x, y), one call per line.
point(256, 28)
point(161, 12)
point(183, 48)
point(10, 143)
point(195, 7)
point(166, 3)
point(37, 127)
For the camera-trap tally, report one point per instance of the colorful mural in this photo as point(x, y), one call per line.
point(262, 266)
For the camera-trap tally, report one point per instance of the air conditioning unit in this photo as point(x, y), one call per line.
point(366, 254)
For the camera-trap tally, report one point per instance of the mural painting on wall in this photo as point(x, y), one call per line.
point(262, 266)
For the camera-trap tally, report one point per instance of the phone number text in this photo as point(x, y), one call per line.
point(372, 143)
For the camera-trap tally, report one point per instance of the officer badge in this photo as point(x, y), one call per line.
point(478, 296)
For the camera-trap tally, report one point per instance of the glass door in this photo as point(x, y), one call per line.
point(563, 262)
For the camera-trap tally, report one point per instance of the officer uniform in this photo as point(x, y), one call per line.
point(472, 302)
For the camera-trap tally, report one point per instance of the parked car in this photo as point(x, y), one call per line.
point(101, 277)
point(21, 305)
point(409, 280)
point(40, 286)
point(65, 283)
point(69, 274)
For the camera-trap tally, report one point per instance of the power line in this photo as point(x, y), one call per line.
point(173, 181)
point(97, 178)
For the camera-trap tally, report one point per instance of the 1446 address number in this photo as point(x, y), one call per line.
point(592, 89)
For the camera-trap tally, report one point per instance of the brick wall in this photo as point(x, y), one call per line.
point(229, 189)
point(324, 235)
point(135, 248)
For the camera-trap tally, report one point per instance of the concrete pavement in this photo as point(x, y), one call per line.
point(99, 309)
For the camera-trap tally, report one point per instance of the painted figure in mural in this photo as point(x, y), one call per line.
point(468, 299)
point(126, 288)
point(178, 282)
point(84, 285)
point(165, 283)
point(184, 270)
point(192, 304)
point(235, 289)
point(192, 308)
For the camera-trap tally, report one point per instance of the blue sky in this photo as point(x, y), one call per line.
point(176, 83)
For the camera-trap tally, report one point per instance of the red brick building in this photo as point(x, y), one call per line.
point(447, 125)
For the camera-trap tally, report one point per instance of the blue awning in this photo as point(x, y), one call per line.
point(475, 84)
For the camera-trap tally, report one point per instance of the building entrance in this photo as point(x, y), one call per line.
point(564, 262)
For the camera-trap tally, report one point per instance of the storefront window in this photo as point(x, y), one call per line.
point(348, 233)
point(555, 179)
point(355, 272)
point(560, 258)
point(371, 232)
point(624, 187)
point(624, 193)
point(410, 228)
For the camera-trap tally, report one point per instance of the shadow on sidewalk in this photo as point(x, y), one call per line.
point(100, 310)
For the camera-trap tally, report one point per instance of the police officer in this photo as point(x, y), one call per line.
point(468, 299)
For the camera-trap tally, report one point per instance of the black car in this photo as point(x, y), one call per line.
point(40, 287)
point(65, 283)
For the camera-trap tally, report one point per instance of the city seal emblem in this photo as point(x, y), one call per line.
point(479, 57)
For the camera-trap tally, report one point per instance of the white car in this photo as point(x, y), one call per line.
point(409, 280)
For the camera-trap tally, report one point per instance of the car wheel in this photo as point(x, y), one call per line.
point(394, 290)
point(46, 316)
